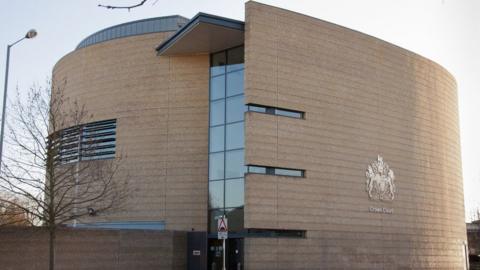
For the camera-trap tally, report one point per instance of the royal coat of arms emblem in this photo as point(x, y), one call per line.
point(380, 181)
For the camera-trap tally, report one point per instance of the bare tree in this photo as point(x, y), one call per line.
point(475, 215)
point(45, 167)
point(11, 215)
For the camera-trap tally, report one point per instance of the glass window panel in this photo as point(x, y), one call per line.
point(235, 109)
point(254, 108)
point(218, 70)
point(234, 164)
point(99, 131)
point(234, 193)
point(106, 156)
point(270, 110)
point(288, 113)
point(235, 219)
point(147, 26)
point(97, 141)
point(219, 59)
point(217, 87)
point(215, 194)
point(235, 56)
point(213, 216)
point(217, 112)
point(288, 172)
point(235, 136)
point(235, 59)
point(132, 29)
point(152, 26)
point(235, 67)
point(156, 26)
point(122, 31)
point(90, 138)
point(217, 139)
point(136, 26)
point(257, 169)
point(216, 167)
point(234, 83)
point(218, 63)
point(141, 27)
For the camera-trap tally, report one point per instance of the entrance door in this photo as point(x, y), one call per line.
point(234, 254)
point(215, 261)
point(197, 250)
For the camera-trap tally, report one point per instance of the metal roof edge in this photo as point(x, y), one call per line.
point(127, 23)
point(200, 18)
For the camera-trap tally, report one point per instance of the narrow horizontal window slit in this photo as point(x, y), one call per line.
point(275, 111)
point(276, 233)
point(275, 171)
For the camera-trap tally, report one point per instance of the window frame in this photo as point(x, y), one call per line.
point(269, 170)
point(85, 142)
point(256, 108)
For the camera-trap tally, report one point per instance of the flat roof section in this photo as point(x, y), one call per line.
point(146, 26)
point(204, 33)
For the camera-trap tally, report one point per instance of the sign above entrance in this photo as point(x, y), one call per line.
point(222, 228)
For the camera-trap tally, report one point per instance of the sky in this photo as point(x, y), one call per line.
point(446, 31)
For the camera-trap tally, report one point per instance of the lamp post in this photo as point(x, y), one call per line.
point(30, 34)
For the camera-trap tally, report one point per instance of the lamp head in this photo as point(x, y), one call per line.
point(91, 211)
point(31, 34)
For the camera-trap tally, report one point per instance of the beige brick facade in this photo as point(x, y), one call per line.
point(362, 97)
point(161, 107)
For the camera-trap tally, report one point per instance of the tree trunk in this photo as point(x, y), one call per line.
point(51, 263)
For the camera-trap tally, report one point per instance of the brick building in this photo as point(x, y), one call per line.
point(326, 148)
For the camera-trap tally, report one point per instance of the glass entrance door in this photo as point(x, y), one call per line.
point(234, 254)
point(215, 253)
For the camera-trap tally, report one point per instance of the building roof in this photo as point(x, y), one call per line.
point(146, 26)
point(204, 33)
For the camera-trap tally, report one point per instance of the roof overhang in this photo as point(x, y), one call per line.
point(204, 33)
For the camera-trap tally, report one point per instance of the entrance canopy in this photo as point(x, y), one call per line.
point(204, 33)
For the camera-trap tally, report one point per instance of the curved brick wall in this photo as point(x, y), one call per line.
point(161, 107)
point(363, 97)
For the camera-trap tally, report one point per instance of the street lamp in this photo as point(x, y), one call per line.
point(30, 34)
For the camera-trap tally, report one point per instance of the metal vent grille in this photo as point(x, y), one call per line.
point(87, 142)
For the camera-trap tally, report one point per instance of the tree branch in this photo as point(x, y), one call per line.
point(123, 7)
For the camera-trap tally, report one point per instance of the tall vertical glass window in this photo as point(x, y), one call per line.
point(226, 150)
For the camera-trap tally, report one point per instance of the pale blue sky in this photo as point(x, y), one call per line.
point(446, 31)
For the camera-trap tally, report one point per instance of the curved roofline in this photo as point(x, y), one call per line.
point(130, 23)
point(362, 33)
